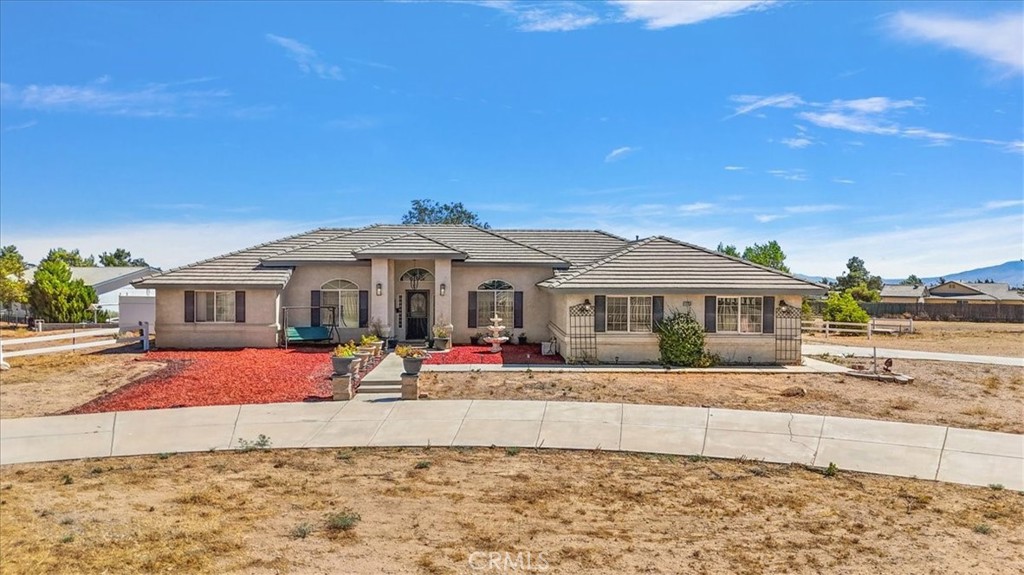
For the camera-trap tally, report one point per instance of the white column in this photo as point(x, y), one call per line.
point(443, 303)
point(379, 308)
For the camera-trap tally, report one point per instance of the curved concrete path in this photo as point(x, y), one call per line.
point(856, 351)
point(900, 449)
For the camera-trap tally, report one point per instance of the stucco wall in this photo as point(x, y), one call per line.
point(536, 307)
point(259, 330)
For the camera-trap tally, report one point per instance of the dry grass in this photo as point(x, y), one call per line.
point(961, 395)
point(1003, 339)
point(587, 512)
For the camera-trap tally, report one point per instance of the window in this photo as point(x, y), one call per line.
point(494, 297)
point(415, 276)
point(215, 306)
point(739, 314)
point(628, 314)
point(344, 296)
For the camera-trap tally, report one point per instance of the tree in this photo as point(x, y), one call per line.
point(72, 258)
point(857, 274)
point(729, 250)
point(431, 212)
point(769, 255)
point(120, 258)
point(912, 280)
point(862, 292)
point(56, 297)
point(841, 307)
point(13, 287)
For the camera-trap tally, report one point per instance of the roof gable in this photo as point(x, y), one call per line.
point(411, 244)
point(664, 264)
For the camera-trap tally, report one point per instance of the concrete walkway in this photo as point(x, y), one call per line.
point(900, 449)
point(819, 349)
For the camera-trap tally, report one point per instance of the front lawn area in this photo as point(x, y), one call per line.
point(429, 510)
point(1002, 339)
point(972, 396)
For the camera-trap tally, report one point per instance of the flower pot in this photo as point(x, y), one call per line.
point(441, 343)
point(412, 365)
point(474, 340)
point(522, 340)
point(364, 358)
point(378, 346)
point(392, 343)
point(342, 365)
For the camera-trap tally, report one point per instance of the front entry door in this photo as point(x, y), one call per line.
point(416, 314)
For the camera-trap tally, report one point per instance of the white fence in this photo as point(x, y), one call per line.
point(85, 339)
point(884, 326)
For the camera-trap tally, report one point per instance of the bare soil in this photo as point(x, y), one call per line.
point(971, 396)
point(1002, 339)
point(38, 385)
point(446, 511)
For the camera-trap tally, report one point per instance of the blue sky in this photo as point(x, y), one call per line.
point(890, 131)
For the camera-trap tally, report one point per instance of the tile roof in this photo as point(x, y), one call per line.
point(241, 268)
point(668, 265)
point(479, 245)
point(903, 291)
point(412, 244)
point(580, 247)
point(986, 291)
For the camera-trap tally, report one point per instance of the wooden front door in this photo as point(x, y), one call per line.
point(417, 314)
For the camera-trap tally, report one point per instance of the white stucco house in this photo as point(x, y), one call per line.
point(595, 294)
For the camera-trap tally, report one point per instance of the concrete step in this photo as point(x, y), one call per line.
point(380, 387)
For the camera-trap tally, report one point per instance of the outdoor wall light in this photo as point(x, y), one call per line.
point(380, 289)
point(444, 289)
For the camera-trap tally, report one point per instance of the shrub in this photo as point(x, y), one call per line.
point(841, 307)
point(680, 340)
point(301, 531)
point(343, 521)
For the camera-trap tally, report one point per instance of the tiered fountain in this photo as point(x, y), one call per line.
point(495, 339)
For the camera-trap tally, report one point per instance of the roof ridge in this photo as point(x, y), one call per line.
point(345, 232)
point(507, 239)
point(236, 252)
point(405, 235)
point(558, 280)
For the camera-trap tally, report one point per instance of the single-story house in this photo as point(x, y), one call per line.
point(903, 293)
point(109, 283)
point(594, 294)
point(956, 292)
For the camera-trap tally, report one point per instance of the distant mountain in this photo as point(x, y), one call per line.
point(1011, 272)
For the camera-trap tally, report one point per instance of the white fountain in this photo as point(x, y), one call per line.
point(495, 339)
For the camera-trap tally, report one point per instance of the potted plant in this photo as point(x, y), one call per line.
point(522, 338)
point(342, 358)
point(475, 338)
point(412, 358)
point(372, 341)
point(442, 336)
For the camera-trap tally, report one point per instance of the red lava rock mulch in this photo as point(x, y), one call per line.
point(510, 354)
point(194, 378)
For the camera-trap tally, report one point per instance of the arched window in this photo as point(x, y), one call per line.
point(344, 296)
point(415, 275)
point(494, 297)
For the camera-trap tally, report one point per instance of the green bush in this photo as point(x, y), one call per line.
point(681, 341)
point(841, 307)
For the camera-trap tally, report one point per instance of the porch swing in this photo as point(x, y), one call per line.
point(310, 333)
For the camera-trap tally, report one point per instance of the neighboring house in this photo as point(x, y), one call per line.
point(597, 295)
point(952, 292)
point(903, 293)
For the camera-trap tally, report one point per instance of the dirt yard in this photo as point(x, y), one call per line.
point(39, 385)
point(445, 511)
point(1003, 339)
point(962, 395)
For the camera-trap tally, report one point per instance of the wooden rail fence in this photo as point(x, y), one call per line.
point(886, 326)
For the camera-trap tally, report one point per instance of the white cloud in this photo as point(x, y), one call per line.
point(695, 208)
point(1000, 204)
point(668, 13)
point(750, 103)
point(152, 100)
point(307, 58)
point(797, 175)
point(545, 16)
point(619, 153)
point(765, 218)
point(734, 168)
point(875, 105)
point(797, 143)
point(21, 126)
point(858, 123)
point(843, 181)
point(998, 39)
